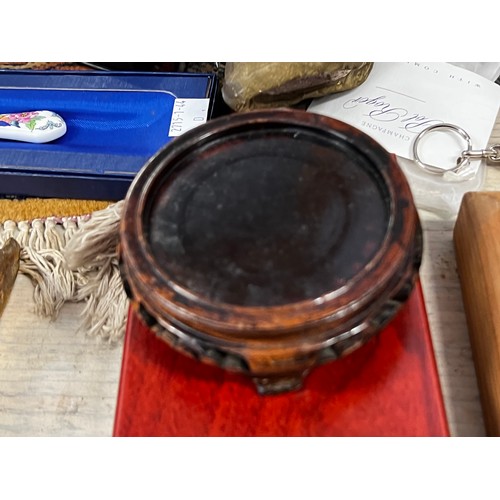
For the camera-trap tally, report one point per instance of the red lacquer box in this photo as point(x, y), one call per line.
point(388, 387)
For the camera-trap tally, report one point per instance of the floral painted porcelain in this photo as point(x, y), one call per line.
point(32, 126)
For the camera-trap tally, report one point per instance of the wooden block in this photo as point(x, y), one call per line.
point(477, 246)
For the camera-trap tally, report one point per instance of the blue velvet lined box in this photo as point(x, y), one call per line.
point(116, 121)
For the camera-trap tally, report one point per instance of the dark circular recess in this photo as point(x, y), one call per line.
point(267, 217)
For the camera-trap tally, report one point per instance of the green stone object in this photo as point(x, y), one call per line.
point(255, 85)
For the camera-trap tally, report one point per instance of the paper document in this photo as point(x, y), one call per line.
point(399, 100)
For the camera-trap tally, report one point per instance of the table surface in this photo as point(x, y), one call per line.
point(55, 381)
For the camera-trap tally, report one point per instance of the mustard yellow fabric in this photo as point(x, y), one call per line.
point(32, 208)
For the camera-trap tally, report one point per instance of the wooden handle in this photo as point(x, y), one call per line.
point(9, 266)
point(477, 247)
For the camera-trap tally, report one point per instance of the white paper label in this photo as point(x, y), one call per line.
point(187, 114)
point(399, 100)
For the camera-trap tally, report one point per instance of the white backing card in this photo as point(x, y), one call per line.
point(399, 100)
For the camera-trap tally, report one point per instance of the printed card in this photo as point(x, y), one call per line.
point(399, 100)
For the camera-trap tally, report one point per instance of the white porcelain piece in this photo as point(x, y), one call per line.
point(32, 126)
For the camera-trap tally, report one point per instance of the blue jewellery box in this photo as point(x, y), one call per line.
point(115, 122)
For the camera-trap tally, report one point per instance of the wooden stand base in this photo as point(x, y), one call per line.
point(389, 387)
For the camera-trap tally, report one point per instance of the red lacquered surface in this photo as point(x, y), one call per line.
point(388, 387)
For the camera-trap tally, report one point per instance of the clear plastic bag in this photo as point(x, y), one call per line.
point(440, 195)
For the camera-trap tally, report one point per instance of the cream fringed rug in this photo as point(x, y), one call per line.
point(70, 258)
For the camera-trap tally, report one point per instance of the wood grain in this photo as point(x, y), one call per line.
point(477, 244)
point(448, 324)
point(388, 387)
point(54, 381)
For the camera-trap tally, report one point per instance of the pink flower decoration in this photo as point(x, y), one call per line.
point(24, 117)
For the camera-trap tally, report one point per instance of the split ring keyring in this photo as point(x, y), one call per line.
point(462, 159)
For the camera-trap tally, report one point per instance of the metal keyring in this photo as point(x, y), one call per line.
point(462, 159)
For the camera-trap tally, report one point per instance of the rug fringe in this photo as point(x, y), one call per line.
point(74, 259)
